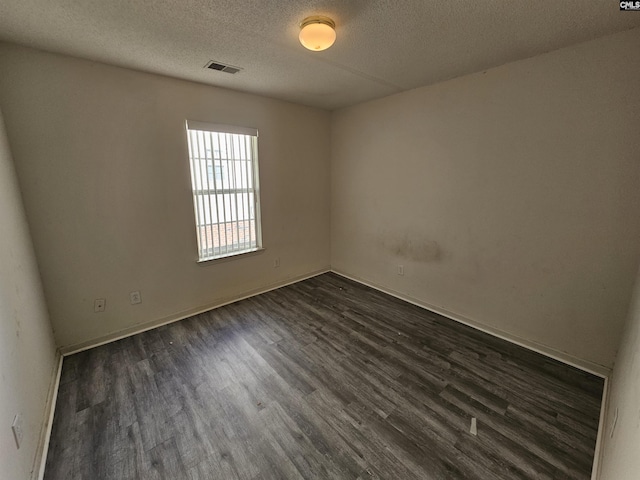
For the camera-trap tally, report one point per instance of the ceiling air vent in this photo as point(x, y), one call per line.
point(221, 67)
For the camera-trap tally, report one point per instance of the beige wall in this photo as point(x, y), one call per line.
point(620, 458)
point(101, 156)
point(27, 350)
point(509, 196)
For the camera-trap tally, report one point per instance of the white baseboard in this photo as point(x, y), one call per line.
point(45, 434)
point(585, 365)
point(143, 327)
point(600, 440)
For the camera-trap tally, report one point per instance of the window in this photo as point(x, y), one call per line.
point(224, 180)
point(217, 177)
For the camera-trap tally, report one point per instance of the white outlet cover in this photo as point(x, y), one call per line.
point(17, 430)
point(99, 305)
point(135, 298)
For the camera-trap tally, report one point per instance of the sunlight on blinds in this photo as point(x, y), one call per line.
point(224, 173)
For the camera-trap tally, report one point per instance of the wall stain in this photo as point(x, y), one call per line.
point(415, 248)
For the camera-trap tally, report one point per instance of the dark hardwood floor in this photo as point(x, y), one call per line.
point(322, 379)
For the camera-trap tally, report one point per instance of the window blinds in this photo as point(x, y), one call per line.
point(224, 179)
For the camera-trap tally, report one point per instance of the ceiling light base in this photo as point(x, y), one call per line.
point(317, 33)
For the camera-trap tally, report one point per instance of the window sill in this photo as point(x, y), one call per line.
point(233, 256)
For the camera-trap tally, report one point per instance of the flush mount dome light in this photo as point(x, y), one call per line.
point(317, 33)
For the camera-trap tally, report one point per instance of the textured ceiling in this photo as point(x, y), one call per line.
point(383, 46)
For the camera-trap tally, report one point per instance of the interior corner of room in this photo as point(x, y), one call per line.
point(507, 200)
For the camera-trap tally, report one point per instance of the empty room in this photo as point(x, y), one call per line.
point(319, 240)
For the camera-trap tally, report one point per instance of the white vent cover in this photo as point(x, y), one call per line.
point(222, 67)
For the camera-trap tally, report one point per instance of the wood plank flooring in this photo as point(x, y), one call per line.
point(324, 379)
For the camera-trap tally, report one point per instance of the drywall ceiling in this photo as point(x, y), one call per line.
point(383, 46)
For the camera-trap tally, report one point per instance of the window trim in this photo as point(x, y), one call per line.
point(215, 253)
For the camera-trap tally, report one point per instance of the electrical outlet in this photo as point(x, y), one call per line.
point(17, 428)
point(135, 298)
point(99, 304)
point(276, 262)
point(400, 270)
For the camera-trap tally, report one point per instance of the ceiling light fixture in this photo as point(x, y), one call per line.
point(317, 33)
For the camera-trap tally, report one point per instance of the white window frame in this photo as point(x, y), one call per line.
point(231, 199)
